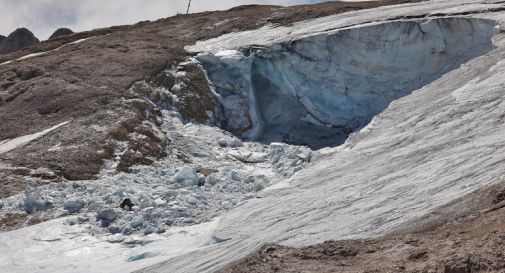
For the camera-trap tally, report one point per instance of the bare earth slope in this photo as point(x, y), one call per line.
point(472, 241)
point(85, 79)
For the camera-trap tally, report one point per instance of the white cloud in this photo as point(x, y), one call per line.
point(45, 16)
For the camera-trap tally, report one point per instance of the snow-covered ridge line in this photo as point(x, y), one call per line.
point(11, 144)
point(271, 34)
point(46, 52)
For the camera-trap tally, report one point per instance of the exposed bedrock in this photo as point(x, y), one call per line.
point(18, 39)
point(319, 89)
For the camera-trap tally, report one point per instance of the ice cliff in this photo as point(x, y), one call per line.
point(318, 89)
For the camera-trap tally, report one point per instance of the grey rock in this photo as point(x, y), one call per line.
point(61, 32)
point(17, 40)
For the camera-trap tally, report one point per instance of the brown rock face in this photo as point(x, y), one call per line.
point(18, 39)
point(61, 32)
point(102, 86)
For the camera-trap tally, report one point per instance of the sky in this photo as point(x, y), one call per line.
point(43, 17)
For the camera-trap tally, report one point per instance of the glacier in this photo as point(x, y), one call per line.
point(317, 90)
point(406, 149)
point(440, 142)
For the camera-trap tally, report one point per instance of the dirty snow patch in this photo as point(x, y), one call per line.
point(11, 144)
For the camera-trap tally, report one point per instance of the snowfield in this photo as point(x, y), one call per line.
point(55, 246)
point(415, 136)
point(426, 149)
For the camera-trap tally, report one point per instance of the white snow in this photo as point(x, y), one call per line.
point(11, 144)
point(57, 247)
point(424, 150)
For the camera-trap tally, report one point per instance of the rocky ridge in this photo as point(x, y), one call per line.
point(18, 39)
point(61, 32)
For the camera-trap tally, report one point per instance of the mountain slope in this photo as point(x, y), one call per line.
point(426, 149)
point(87, 78)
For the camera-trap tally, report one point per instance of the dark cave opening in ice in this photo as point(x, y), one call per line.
point(317, 90)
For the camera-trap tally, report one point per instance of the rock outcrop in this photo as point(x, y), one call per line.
point(61, 32)
point(104, 100)
point(18, 39)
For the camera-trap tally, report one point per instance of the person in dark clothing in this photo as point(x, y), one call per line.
point(127, 203)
